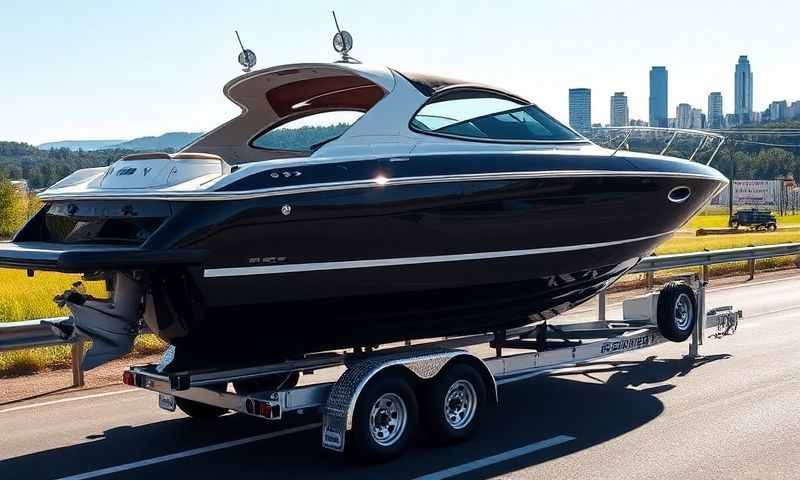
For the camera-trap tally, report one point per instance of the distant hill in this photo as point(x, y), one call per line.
point(87, 145)
point(167, 141)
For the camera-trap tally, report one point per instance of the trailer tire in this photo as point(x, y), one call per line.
point(201, 411)
point(384, 420)
point(453, 404)
point(772, 227)
point(676, 315)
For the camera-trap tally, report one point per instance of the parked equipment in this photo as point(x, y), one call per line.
point(755, 219)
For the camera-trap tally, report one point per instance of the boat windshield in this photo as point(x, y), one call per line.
point(490, 117)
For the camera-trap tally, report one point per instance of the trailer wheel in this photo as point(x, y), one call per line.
point(772, 227)
point(384, 420)
point(676, 315)
point(454, 403)
point(201, 411)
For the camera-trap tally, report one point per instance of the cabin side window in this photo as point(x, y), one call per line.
point(487, 116)
point(308, 133)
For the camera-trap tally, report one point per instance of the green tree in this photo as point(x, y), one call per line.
point(13, 208)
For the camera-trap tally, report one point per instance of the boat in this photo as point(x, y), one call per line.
point(349, 206)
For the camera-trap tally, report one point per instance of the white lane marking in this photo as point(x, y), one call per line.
point(752, 284)
point(500, 457)
point(391, 262)
point(189, 453)
point(71, 399)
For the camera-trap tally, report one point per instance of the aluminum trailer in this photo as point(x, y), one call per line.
point(373, 408)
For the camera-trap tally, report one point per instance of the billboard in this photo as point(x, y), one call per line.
point(752, 192)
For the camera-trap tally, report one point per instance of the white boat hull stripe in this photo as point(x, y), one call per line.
point(392, 262)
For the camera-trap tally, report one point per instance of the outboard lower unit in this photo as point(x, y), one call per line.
point(110, 324)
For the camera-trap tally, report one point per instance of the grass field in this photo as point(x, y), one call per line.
point(684, 244)
point(24, 298)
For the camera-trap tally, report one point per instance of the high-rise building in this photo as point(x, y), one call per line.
point(715, 116)
point(778, 111)
point(743, 90)
point(683, 116)
point(580, 109)
point(658, 97)
point(698, 118)
point(794, 110)
point(619, 110)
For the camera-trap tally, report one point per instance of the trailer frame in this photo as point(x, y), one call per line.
point(535, 349)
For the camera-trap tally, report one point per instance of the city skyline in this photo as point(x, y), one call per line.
point(687, 116)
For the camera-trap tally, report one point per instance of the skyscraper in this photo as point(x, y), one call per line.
point(698, 118)
point(658, 97)
point(683, 116)
point(619, 109)
point(715, 115)
point(580, 109)
point(743, 90)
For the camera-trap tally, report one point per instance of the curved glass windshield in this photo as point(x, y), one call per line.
point(307, 133)
point(488, 117)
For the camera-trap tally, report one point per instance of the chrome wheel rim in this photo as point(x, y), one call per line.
point(683, 312)
point(387, 420)
point(460, 404)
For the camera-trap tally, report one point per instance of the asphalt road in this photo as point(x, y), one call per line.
point(733, 413)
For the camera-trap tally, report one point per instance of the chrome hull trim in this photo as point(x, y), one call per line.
point(195, 196)
point(391, 262)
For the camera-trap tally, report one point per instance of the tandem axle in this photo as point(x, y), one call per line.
point(373, 401)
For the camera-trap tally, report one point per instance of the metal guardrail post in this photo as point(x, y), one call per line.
point(601, 306)
point(650, 277)
point(77, 364)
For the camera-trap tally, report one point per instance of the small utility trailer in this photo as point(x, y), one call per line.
point(373, 407)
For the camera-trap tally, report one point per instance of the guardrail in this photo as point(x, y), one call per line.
point(34, 334)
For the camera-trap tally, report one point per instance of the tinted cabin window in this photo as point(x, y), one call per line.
point(489, 117)
point(307, 133)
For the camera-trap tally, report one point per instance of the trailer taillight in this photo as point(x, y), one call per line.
point(262, 408)
point(128, 378)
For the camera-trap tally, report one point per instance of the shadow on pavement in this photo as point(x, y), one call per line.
point(532, 410)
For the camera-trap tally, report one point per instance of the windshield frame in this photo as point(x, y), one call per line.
point(580, 139)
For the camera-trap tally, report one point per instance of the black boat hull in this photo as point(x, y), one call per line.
point(276, 274)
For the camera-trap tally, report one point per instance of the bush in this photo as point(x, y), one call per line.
point(14, 206)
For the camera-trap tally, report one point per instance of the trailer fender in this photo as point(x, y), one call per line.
point(424, 365)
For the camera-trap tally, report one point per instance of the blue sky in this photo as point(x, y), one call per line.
point(121, 69)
